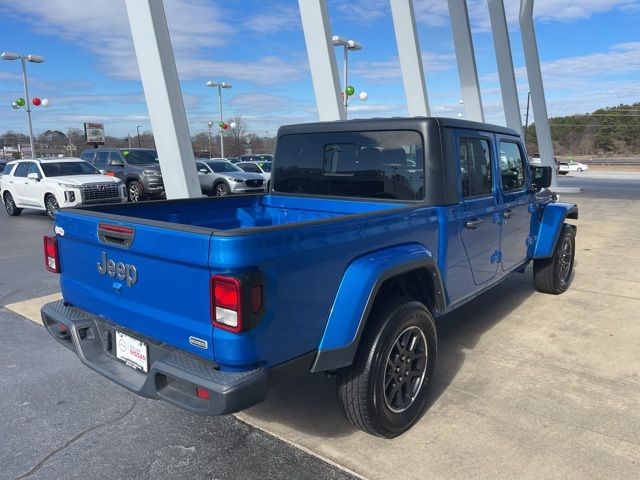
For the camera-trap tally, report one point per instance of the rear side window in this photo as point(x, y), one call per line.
point(475, 167)
point(88, 156)
point(383, 165)
point(511, 166)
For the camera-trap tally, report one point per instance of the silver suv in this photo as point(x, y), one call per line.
point(220, 178)
point(137, 167)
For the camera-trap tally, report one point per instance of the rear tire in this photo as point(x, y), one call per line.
point(553, 275)
point(51, 205)
point(384, 391)
point(10, 205)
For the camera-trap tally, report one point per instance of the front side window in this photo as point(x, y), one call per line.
point(511, 167)
point(63, 169)
point(386, 165)
point(475, 167)
point(102, 160)
point(22, 170)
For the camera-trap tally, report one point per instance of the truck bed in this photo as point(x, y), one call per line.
point(235, 215)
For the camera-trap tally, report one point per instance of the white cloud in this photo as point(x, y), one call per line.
point(436, 12)
point(274, 18)
point(389, 70)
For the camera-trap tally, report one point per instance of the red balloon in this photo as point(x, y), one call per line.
point(225, 126)
point(36, 101)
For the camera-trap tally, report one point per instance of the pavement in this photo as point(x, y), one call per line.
point(527, 386)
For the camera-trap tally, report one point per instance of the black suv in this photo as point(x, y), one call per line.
point(137, 167)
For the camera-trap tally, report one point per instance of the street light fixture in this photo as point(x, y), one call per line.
point(209, 125)
point(349, 46)
point(220, 86)
point(24, 59)
point(138, 129)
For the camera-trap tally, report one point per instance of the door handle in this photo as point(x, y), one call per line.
point(473, 223)
point(507, 214)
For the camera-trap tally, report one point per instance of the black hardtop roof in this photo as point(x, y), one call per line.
point(417, 123)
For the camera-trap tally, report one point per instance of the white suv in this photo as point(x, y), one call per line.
point(53, 184)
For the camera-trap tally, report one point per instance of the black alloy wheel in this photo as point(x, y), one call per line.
point(553, 275)
point(406, 368)
point(384, 390)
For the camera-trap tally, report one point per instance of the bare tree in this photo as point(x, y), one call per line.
point(235, 137)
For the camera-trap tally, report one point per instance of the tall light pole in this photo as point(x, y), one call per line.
point(24, 59)
point(220, 86)
point(138, 130)
point(349, 45)
point(209, 125)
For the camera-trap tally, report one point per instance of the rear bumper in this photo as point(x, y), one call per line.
point(173, 375)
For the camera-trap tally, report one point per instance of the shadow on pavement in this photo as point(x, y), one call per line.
point(309, 403)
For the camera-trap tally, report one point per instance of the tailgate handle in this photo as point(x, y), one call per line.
point(115, 235)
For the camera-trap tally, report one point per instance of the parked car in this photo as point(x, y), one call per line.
point(265, 157)
point(205, 302)
point(536, 161)
point(233, 159)
point(261, 168)
point(250, 158)
point(53, 184)
point(220, 178)
point(577, 167)
point(137, 167)
point(563, 168)
point(3, 165)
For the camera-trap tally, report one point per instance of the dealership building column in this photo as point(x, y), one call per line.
point(466, 58)
point(534, 74)
point(415, 88)
point(322, 59)
point(502, 47)
point(164, 97)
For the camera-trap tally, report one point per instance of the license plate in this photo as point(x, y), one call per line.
point(132, 351)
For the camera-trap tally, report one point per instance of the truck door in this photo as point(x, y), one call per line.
point(515, 196)
point(478, 207)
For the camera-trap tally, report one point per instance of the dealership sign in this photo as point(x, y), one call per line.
point(94, 133)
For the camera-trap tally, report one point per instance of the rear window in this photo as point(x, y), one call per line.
point(386, 165)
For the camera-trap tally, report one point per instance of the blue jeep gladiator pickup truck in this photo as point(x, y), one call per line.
point(372, 229)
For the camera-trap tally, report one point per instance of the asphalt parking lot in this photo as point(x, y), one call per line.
point(527, 385)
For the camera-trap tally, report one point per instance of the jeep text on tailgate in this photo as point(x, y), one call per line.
point(372, 228)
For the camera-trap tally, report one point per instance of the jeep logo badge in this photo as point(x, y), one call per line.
point(123, 271)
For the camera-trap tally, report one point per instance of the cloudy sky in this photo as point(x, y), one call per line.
point(590, 51)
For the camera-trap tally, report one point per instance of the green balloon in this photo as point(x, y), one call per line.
point(350, 90)
point(20, 101)
point(221, 124)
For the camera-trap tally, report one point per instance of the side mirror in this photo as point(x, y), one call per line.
point(102, 171)
point(34, 176)
point(116, 163)
point(541, 177)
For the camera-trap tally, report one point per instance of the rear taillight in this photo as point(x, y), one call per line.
point(51, 258)
point(226, 303)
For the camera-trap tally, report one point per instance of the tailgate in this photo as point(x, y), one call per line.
point(155, 284)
